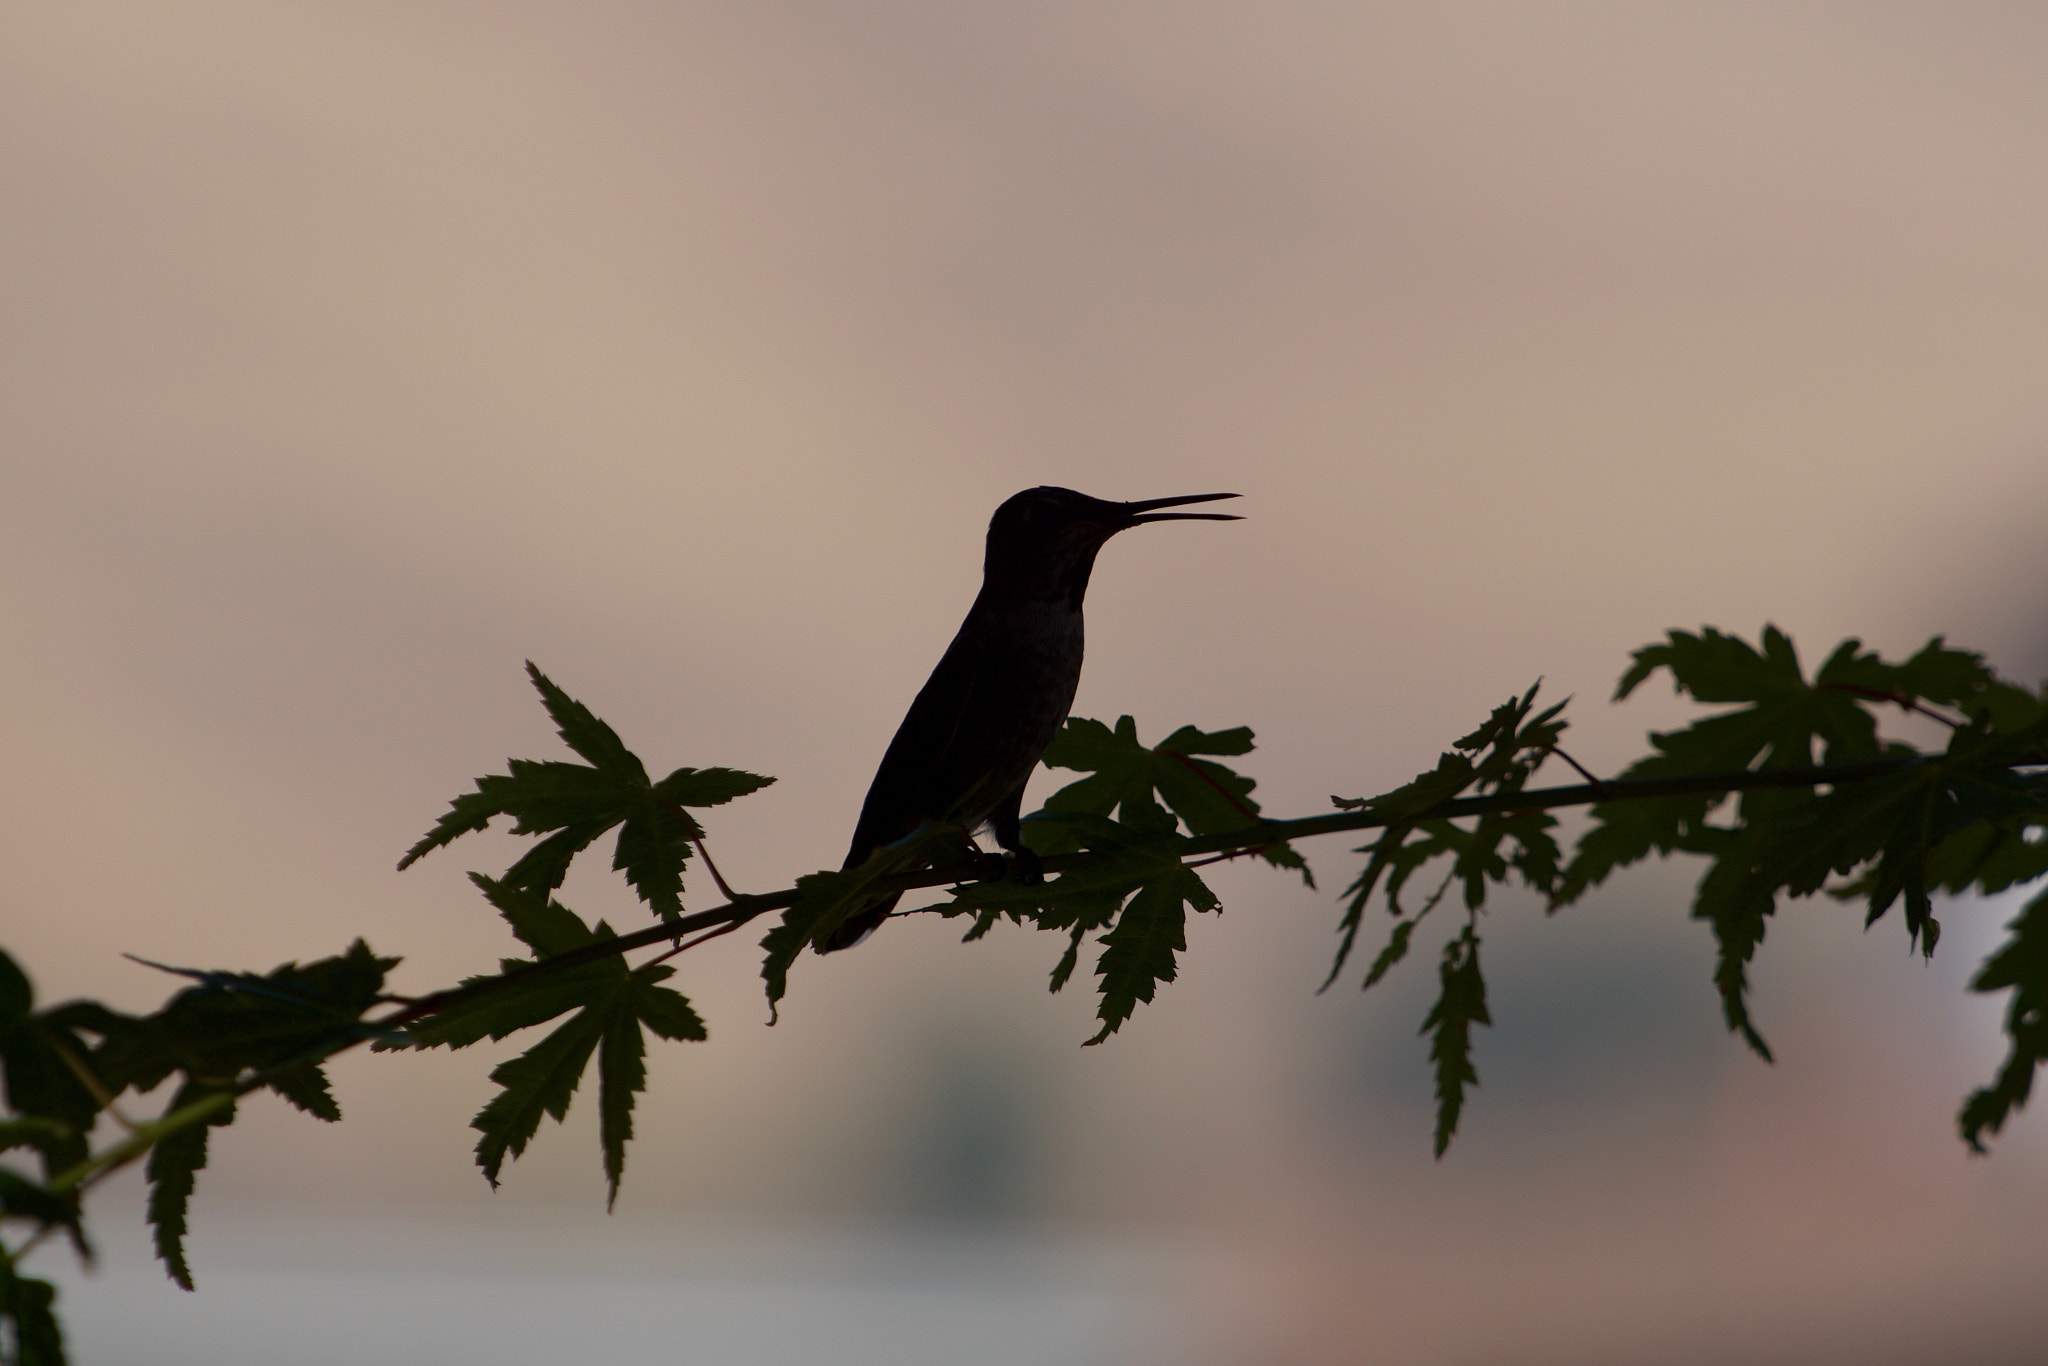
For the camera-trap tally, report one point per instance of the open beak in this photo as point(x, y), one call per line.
point(1135, 513)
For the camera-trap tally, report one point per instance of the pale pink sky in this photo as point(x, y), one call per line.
point(356, 353)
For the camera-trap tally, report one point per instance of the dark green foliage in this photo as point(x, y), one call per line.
point(1497, 758)
point(1206, 796)
point(2019, 966)
point(516, 997)
point(174, 1166)
point(43, 1057)
point(1879, 822)
point(611, 1003)
point(542, 1080)
point(580, 802)
point(539, 1081)
point(28, 1318)
point(1905, 827)
point(231, 1033)
point(1934, 822)
point(1460, 1005)
point(23, 1198)
point(234, 1031)
point(1138, 952)
point(235, 1022)
point(825, 900)
point(1137, 887)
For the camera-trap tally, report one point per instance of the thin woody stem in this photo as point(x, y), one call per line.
point(1251, 838)
point(1900, 700)
point(1577, 767)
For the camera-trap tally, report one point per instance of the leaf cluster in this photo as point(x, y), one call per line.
point(50, 1113)
point(1936, 822)
point(222, 1038)
point(1132, 815)
point(610, 1009)
point(1876, 821)
point(1496, 759)
point(574, 804)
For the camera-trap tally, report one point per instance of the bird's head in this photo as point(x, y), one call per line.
point(1042, 542)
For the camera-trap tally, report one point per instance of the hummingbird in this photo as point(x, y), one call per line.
point(1000, 692)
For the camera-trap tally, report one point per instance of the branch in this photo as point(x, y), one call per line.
point(1247, 839)
point(742, 909)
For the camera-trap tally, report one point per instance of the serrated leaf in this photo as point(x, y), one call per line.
point(1138, 952)
point(621, 1075)
point(306, 1087)
point(1087, 915)
point(826, 899)
point(237, 1021)
point(622, 1071)
point(545, 867)
point(29, 1305)
point(527, 1000)
point(520, 997)
point(650, 852)
point(823, 902)
point(1785, 715)
point(540, 1082)
point(1459, 1008)
point(1386, 851)
point(583, 732)
point(1510, 745)
point(22, 1198)
point(665, 1011)
point(1132, 780)
point(572, 805)
point(1454, 772)
point(1737, 903)
point(1626, 832)
point(709, 786)
point(1078, 902)
point(537, 1083)
point(173, 1170)
point(540, 922)
point(2020, 965)
point(1394, 952)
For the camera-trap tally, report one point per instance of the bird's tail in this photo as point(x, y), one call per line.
point(860, 924)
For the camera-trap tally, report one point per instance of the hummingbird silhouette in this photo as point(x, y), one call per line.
point(1000, 692)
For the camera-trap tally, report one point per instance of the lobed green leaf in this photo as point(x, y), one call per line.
point(172, 1172)
point(1132, 780)
point(1460, 1006)
point(537, 1083)
point(541, 1081)
point(572, 805)
point(1139, 952)
point(2020, 965)
point(28, 1305)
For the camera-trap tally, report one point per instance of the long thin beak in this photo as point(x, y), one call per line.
point(1135, 513)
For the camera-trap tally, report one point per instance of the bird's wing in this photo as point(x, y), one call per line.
point(903, 793)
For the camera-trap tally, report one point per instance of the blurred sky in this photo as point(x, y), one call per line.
point(356, 353)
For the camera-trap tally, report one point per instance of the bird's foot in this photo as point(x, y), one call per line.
point(1024, 867)
point(1021, 867)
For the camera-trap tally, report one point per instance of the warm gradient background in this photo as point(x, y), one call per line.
point(356, 352)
